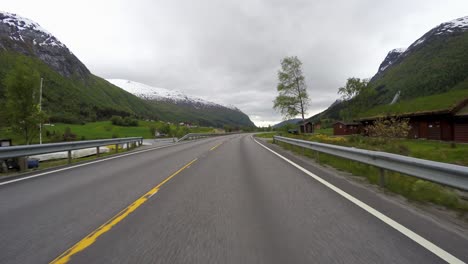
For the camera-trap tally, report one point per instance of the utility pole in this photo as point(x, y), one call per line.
point(40, 110)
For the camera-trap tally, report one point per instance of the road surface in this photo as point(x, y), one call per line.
point(218, 200)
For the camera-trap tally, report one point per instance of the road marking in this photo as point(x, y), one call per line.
point(213, 148)
point(89, 163)
point(93, 236)
point(405, 231)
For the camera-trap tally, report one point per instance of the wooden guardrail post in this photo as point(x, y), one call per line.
point(69, 154)
point(97, 151)
point(116, 148)
point(382, 177)
point(23, 163)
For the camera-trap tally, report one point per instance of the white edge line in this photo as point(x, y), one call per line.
point(405, 231)
point(89, 163)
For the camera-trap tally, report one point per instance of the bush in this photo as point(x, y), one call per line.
point(152, 130)
point(389, 128)
point(127, 121)
point(68, 135)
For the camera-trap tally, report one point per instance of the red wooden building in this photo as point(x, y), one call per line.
point(343, 128)
point(447, 125)
point(307, 127)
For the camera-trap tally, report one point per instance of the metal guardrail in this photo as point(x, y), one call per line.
point(443, 173)
point(201, 135)
point(29, 150)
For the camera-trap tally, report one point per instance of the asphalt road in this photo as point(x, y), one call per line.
point(217, 200)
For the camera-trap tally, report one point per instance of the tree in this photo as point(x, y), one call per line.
point(293, 98)
point(354, 86)
point(22, 84)
point(356, 95)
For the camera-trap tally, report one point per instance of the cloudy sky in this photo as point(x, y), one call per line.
point(229, 51)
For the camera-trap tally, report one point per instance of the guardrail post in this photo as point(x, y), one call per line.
point(69, 157)
point(23, 163)
point(97, 151)
point(116, 148)
point(382, 177)
point(128, 146)
point(317, 156)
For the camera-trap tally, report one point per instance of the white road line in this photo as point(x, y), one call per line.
point(405, 231)
point(89, 163)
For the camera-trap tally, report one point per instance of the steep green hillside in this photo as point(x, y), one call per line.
point(436, 67)
point(431, 75)
point(74, 100)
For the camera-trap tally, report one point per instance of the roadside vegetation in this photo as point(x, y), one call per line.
point(410, 187)
point(104, 129)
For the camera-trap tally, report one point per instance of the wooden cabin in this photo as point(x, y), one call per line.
point(343, 128)
point(307, 127)
point(446, 125)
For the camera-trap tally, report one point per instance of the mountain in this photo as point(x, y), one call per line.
point(287, 122)
point(434, 64)
point(72, 94)
point(178, 107)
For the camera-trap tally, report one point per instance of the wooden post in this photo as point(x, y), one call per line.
point(317, 156)
point(382, 177)
point(116, 148)
point(97, 151)
point(23, 163)
point(128, 146)
point(69, 157)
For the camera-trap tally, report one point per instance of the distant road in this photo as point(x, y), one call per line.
point(218, 200)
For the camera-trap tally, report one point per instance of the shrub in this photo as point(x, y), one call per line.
point(116, 120)
point(389, 128)
point(152, 130)
point(126, 121)
point(68, 135)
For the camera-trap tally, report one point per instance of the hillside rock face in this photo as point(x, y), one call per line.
point(24, 36)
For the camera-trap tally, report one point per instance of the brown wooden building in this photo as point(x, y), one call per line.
point(447, 125)
point(343, 128)
point(307, 127)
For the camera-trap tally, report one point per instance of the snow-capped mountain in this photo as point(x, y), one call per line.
point(392, 56)
point(161, 94)
point(450, 28)
point(27, 37)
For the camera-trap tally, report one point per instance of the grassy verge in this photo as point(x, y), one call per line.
point(410, 187)
point(101, 130)
point(455, 153)
point(265, 135)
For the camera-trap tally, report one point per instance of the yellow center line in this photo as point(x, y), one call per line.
point(92, 237)
point(213, 148)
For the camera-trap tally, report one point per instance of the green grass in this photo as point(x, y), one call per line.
point(410, 187)
point(447, 152)
point(324, 131)
point(265, 135)
point(444, 101)
point(101, 130)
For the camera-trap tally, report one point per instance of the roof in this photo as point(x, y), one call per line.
point(347, 123)
point(458, 109)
